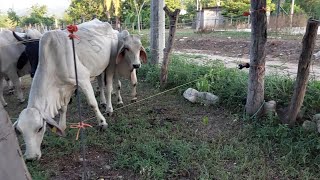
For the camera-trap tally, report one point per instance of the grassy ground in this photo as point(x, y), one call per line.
point(167, 137)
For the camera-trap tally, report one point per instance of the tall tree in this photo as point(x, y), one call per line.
point(38, 15)
point(255, 96)
point(138, 5)
point(12, 15)
point(85, 9)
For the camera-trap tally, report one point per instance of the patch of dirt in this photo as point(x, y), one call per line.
point(282, 56)
point(285, 50)
point(98, 163)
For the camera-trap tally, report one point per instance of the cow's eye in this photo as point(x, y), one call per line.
point(40, 129)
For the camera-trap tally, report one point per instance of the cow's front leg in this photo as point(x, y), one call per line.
point(109, 78)
point(89, 93)
point(134, 83)
point(3, 102)
point(101, 84)
point(13, 76)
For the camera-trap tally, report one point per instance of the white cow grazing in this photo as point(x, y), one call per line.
point(54, 81)
point(130, 52)
point(10, 53)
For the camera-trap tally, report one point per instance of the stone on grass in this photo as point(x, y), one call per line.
point(195, 96)
point(191, 95)
point(269, 107)
point(316, 119)
point(207, 98)
point(309, 126)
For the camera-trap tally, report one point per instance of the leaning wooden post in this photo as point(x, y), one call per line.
point(12, 165)
point(308, 44)
point(173, 17)
point(255, 96)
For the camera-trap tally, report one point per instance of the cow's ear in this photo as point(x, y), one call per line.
point(55, 128)
point(121, 53)
point(143, 55)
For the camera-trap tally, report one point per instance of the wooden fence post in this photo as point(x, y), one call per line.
point(255, 96)
point(173, 19)
point(308, 44)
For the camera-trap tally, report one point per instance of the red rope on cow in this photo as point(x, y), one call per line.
point(73, 28)
point(246, 13)
point(79, 125)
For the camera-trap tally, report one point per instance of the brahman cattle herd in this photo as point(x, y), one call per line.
point(100, 52)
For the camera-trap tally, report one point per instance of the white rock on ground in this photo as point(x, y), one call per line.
point(309, 126)
point(316, 119)
point(191, 95)
point(270, 107)
point(195, 96)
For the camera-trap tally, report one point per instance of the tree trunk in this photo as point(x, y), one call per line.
point(173, 18)
point(139, 23)
point(255, 96)
point(12, 166)
point(308, 44)
point(118, 23)
point(157, 31)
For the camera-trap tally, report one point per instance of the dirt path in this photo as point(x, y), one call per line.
point(282, 55)
point(274, 66)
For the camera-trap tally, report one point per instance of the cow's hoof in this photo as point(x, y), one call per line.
point(5, 104)
point(22, 101)
point(120, 104)
point(133, 100)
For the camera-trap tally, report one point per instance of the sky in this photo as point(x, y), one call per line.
point(56, 7)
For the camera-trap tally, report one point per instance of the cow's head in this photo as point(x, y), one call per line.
point(131, 50)
point(32, 125)
point(31, 53)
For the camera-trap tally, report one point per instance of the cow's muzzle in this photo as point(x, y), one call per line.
point(136, 66)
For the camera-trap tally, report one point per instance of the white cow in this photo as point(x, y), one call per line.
point(10, 52)
point(54, 80)
point(131, 51)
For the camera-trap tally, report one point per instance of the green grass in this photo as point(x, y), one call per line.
point(162, 149)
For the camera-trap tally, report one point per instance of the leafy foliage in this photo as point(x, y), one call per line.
point(173, 4)
point(37, 16)
point(311, 7)
point(234, 8)
point(12, 15)
point(85, 9)
point(4, 21)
